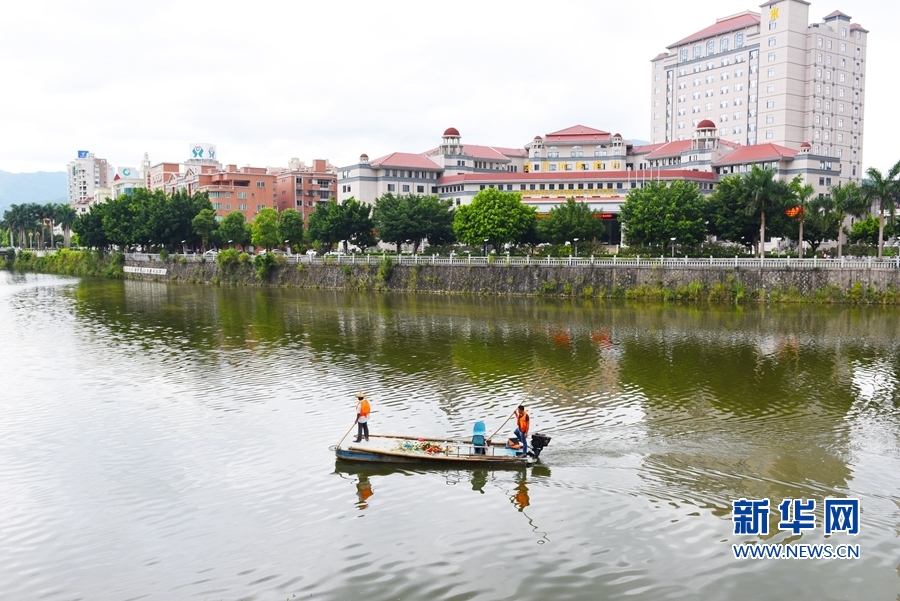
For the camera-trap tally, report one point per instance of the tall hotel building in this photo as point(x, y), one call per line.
point(87, 177)
point(768, 77)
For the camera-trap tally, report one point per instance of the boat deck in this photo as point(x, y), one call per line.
point(411, 449)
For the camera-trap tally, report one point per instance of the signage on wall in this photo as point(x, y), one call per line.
point(203, 150)
point(83, 154)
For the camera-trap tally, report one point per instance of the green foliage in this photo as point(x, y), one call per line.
point(163, 255)
point(205, 225)
point(264, 265)
point(569, 221)
point(866, 231)
point(385, 268)
point(290, 226)
point(89, 228)
point(349, 221)
point(656, 213)
point(265, 229)
point(228, 259)
point(495, 216)
point(882, 190)
point(414, 218)
point(234, 229)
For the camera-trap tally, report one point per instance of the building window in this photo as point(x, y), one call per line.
point(773, 25)
point(406, 187)
point(771, 41)
point(770, 119)
point(771, 57)
point(770, 87)
point(697, 50)
point(770, 104)
point(725, 44)
point(260, 184)
point(770, 134)
point(710, 48)
point(242, 195)
point(552, 166)
point(684, 55)
point(739, 40)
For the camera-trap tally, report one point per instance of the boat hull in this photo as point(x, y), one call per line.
point(402, 450)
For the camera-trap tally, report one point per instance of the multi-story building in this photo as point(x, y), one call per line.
point(248, 190)
point(88, 179)
point(303, 187)
point(768, 77)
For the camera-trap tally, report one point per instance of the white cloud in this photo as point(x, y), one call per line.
point(266, 81)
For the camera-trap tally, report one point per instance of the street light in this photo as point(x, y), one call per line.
point(576, 247)
point(288, 244)
point(673, 246)
point(485, 246)
point(183, 247)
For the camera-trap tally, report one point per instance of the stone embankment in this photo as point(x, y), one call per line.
point(747, 280)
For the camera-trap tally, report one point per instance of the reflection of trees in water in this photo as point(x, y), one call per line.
point(696, 360)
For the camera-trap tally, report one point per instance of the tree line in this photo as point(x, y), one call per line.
point(31, 225)
point(748, 208)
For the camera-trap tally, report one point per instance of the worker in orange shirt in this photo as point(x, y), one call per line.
point(362, 417)
point(523, 423)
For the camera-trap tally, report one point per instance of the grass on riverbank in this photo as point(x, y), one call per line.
point(73, 262)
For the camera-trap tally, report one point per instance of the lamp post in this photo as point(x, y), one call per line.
point(576, 247)
point(183, 247)
point(673, 246)
point(287, 243)
point(485, 246)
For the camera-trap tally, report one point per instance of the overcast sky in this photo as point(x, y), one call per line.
point(266, 81)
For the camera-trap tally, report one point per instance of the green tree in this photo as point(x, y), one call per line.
point(89, 228)
point(290, 226)
point(847, 199)
point(802, 194)
point(234, 229)
point(764, 192)
point(66, 216)
point(204, 225)
point(866, 231)
point(121, 220)
point(821, 220)
point(882, 190)
point(570, 221)
point(414, 218)
point(349, 221)
point(495, 216)
point(658, 212)
point(265, 229)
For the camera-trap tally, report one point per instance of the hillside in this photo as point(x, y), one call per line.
point(41, 187)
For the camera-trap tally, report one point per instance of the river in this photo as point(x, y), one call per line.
point(172, 442)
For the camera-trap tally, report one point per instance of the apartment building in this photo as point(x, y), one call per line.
point(304, 187)
point(88, 180)
point(768, 77)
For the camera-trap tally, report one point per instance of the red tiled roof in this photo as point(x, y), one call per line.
point(856, 26)
point(721, 26)
point(670, 149)
point(837, 13)
point(659, 56)
point(577, 132)
point(507, 177)
point(488, 153)
point(405, 160)
point(647, 148)
point(756, 154)
point(771, 2)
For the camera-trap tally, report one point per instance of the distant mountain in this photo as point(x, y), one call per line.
point(41, 187)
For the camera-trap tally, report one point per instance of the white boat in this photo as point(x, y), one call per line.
point(381, 448)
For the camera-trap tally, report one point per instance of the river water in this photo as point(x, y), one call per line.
point(172, 442)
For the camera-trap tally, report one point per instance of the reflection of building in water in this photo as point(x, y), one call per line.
point(363, 491)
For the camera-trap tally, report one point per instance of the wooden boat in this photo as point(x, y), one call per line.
point(434, 451)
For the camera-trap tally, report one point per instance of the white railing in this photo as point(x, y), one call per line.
point(604, 262)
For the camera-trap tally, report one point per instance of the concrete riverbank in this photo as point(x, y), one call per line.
point(653, 279)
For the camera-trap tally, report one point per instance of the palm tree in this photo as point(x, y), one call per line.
point(17, 219)
point(764, 192)
point(882, 190)
point(48, 216)
point(66, 216)
point(802, 194)
point(847, 199)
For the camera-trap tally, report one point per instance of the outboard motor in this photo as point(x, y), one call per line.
point(538, 442)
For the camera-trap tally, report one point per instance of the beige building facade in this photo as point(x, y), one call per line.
point(768, 77)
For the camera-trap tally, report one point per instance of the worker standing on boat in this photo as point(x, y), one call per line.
point(362, 417)
point(523, 422)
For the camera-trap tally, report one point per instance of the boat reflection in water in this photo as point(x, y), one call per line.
point(513, 482)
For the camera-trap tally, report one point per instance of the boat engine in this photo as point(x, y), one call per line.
point(538, 442)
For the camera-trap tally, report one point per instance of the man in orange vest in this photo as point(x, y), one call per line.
point(362, 417)
point(523, 422)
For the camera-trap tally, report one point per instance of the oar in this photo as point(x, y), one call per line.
point(520, 403)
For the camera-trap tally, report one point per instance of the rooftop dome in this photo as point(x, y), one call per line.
point(706, 124)
point(805, 145)
point(451, 131)
point(617, 135)
point(363, 156)
point(538, 138)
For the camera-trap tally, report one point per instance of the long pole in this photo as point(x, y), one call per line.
point(345, 435)
point(520, 402)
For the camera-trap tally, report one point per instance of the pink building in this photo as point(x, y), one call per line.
point(304, 187)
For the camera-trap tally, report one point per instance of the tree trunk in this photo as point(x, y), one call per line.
point(800, 242)
point(880, 234)
point(840, 236)
point(762, 235)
